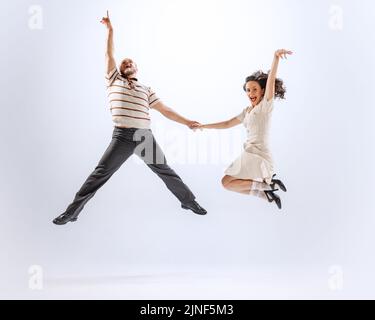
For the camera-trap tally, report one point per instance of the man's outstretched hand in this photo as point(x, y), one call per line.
point(107, 21)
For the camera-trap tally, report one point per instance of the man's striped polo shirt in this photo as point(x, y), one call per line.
point(130, 101)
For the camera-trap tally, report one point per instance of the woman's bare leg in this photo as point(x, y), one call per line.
point(236, 185)
point(247, 187)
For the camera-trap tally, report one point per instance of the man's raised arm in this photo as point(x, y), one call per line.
point(110, 60)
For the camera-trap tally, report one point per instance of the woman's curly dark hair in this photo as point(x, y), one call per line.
point(261, 78)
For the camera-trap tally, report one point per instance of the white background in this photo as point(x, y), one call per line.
point(133, 240)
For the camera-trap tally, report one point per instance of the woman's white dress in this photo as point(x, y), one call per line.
point(255, 162)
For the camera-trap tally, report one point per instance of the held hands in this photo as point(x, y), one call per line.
point(282, 53)
point(107, 21)
point(194, 125)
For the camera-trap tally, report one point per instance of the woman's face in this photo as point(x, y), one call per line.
point(254, 92)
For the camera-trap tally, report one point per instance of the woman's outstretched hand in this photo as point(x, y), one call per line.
point(107, 21)
point(283, 53)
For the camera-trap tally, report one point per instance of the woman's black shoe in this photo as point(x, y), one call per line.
point(272, 196)
point(275, 183)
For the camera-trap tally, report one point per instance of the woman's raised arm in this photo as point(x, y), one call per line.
point(270, 88)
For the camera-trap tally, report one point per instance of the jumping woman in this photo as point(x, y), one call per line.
point(253, 172)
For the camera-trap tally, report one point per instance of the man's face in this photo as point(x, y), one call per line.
point(128, 68)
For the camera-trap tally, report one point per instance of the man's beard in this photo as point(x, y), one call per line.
point(128, 72)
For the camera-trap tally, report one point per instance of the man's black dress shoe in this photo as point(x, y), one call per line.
point(65, 218)
point(195, 207)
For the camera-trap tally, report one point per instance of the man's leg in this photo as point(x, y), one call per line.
point(115, 155)
point(150, 152)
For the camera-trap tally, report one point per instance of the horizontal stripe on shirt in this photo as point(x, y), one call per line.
point(157, 99)
point(128, 95)
point(131, 102)
point(128, 88)
point(123, 108)
point(131, 117)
